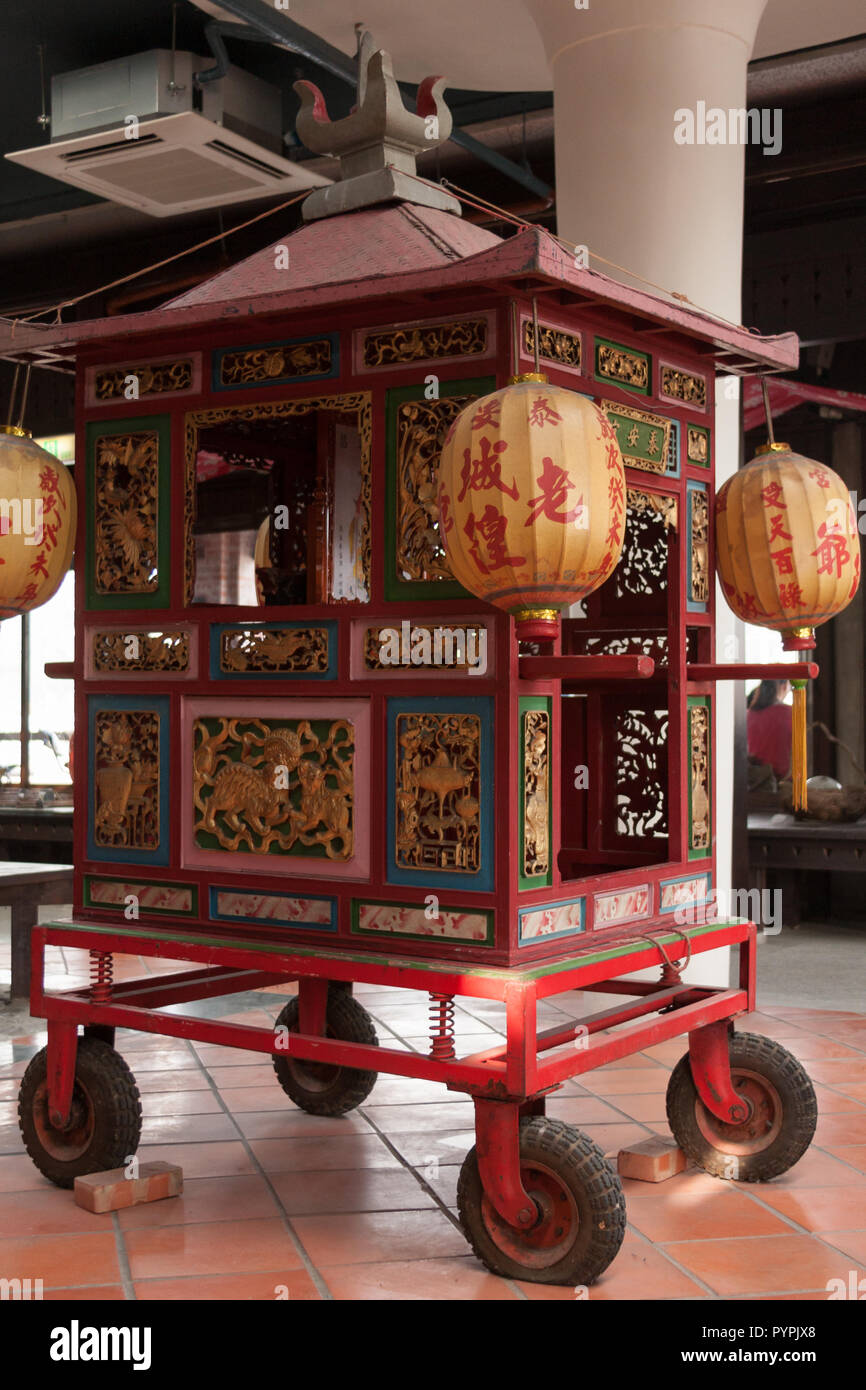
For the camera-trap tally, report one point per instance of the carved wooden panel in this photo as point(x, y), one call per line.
point(699, 778)
point(272, 649)
point(536, 794)
point(424, 342)
point(273, 363)
point(699, 537)
point(438, 792)
point(148, 379)
point(274, 786)
point(642, 569)
point(126, 762)
point(643, 438)
point(140, 649)
point(625, 366)
point(554, 345)
point(688, 387)
point(641, 772)
point(421, 429)
point(126, 507)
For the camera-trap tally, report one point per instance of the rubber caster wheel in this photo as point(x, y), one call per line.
point(104, 1126)
point(321, 1088)
point(581, 1209)
point(779, 1129)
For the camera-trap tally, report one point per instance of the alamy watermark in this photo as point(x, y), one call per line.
point(713, 125)
point(761, 906)
point(439, 646)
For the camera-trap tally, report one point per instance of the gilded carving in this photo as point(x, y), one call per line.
point(299, 650)
point(388, 346)
point(250, 366)
point(155, 379)
point(141, 650)
point(699, 580)
point(126, 505)
point(357, 402)
point(644, 438)
point(697, 446)
point(620, 365)
point(421, 430)
point(274, 788)
point(699, 736)
point(664, 506)
point(682, 386)
point(641, 772)
point(554, 344)
point(126, 763)
point(458, 648)
point(438, 806)
point(536, 795)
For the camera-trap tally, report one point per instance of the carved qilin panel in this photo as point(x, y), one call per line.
point(438, 792)
point(292, 649)
point(125, 509)
point(274, 786)
point(421, 430)
point(126, 779)
point(536, 793)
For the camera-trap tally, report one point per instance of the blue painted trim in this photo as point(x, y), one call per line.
point(686, 878)
point(217, 629)
point(271, 921)
point(433, 880)
point(675, 440)
point(333, 339)
point(692, 486)
point(160, 705)
point(551, 936)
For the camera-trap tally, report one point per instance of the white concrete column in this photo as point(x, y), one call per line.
point(670, 212)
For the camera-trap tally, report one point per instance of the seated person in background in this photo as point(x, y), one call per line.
point(768, 726)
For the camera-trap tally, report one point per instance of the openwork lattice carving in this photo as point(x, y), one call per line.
point(155, 379)
point(699, 578)
point(274, 787)
point(438, 792)
point(642, 569)
point(421, 430)
point(699, 738)
point(141, 650)
point(126, 779)
point(664, 506)
point(356, 402)
point(291, 649)
point(654, 644)
point(126, 502)
point(536, 795)
point(620, 365)
point(425, 342)
point(554, 344)
point(641, 768)
point(682, 386)
point(250, 366)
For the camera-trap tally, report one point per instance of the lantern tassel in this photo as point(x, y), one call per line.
point(799, 796)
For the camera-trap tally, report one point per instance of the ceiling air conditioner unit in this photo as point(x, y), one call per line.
point(139, 131)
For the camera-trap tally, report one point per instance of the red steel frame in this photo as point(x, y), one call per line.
point(506, 1081)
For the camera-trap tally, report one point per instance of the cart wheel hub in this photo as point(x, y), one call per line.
point(553, 1231)
point(758, 1127)
point(65, 1141)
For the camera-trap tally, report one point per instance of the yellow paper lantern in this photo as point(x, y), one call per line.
point(532, 500)
point(787, 547)
point(38, 514)
point(788, 557)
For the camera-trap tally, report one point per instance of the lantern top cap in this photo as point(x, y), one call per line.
point(528, 376)
point(377, 142)
point(773, 447)
point(16, 430)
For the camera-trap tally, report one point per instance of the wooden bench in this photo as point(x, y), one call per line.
point(24, 888)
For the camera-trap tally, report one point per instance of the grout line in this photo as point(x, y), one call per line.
point(126, 1279)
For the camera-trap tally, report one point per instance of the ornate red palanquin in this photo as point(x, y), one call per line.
point(269, 763)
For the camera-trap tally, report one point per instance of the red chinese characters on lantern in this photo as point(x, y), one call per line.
point(749, 607)
point(833, 551)
point(554, 483)
point(772, 495)
point(783, 560)
point(819, 475)
point(446, 520)
point(542, 413)
point(478, 474)
point(489, 530)
point(777, 529)
point(486, 415)
point(856, 580)
point(791, 595)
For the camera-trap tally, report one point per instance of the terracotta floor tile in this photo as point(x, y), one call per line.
point(220, 1160)
point(612, 1138)
point(762, 1264)
point(183, 1079)
point(95, 1293)
point(9, 1089)
point(456, 1278)
point(154, 1103)
point(840, 1129)
point(362, 1238)
point(418, 1119)
point(206, 1199)
point(405, 1090)
point(220, 1247)
point(583, 1110)
point(768, 1026)
point(448, 1147)
point(268, 1096)
point(690, 1212)
point(819, 1169)
point(818, 1208)
point(360, 1189)
point(18, 1173)
point(8, 1112)
point(626, 1081)
point(647, 1107)
point(46, 1211)
point(851, 1243)
point(232, 1078)
point(290, 1123)
point(810, 1047)
point(854, 1154)
point(295, 1285)
point(856, 1090)
point(838, 1071)
point(833, 1102)
point(167, 1062)
point(329, 1152)
point(638, 1272)
point(187, 1129)
point(61, 1260)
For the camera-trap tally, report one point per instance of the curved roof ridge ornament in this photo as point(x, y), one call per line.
point(377, 142)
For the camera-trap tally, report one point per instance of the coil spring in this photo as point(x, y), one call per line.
point(441, 1008)
point(101, 976)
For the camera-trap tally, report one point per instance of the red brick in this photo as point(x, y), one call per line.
point(112, 1190)
point(652, 1160)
